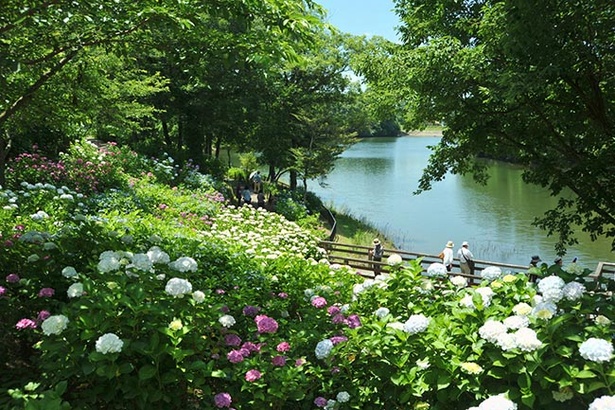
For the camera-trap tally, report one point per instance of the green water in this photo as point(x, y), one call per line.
point(375, 179)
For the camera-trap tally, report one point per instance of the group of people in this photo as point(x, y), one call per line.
point(465, 256)
point(244, 194)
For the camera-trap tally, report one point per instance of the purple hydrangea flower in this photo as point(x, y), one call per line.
point(265, 324)
point(250, 311)
point(222, 400)
point(12, 278)
point(334, 310)
point(278, 361)
point(2, 290)
point(338, 319)
point(320, 402)
point(353, 321)
point(42, 315)
point(338, 339)
point(232, 339)
point(319, 302)
point(46, 293)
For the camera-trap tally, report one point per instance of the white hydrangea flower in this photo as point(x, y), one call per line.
point(552, 295)
point(156, 255)
point(109, 343)
point(603, 403)
point(323, 349)
point(423, 364)
point(573, 291)
point(39, 216)
point(499, 402)
point(516, 322)
point(471, 368)
point(396, 325)
point(491, 329)
point(381, 312)
point(491, 273)
point(563, 395)
point(394, 259)
point(522, 309)
point(109, 261)
point(544, 310)
point(506, 341)
point(459, 281)
point(178, 287)
point(69, 272)
point(184, 264)
point(527, 340)
point(330, 404)
point(343, 397)
point(54, 325)
point(486, 293)
point(437, 269)
point(596, 350)
point(467, 302)
point(75, 290)
point(416, 324)
point(551, 282)
point(227, 321)
point(198, 296)
point(142, 262)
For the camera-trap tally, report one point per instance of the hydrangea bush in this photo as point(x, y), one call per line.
point(162, 295)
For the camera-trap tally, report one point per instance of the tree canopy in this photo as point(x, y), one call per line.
point(528, 82)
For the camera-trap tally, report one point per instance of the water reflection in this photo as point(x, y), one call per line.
point(375, 180)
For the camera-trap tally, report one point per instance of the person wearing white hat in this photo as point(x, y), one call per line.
point(466, 259)
point(447, 255)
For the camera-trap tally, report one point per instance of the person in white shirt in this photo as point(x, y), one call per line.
point(466, 259)
point(447, 255)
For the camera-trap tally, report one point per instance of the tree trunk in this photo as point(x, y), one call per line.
point(5, 146)
point(293, 180)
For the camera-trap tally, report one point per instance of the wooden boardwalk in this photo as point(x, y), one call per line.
point(355, 256)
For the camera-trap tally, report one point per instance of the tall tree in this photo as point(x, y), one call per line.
point(529, 81)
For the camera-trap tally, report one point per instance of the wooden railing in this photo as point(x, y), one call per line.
point(356, 256)
point(604, 269)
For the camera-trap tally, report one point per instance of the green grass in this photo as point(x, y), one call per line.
point(356, 231)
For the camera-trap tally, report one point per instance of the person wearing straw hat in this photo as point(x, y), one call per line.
point(375, 254)
point(447, 255)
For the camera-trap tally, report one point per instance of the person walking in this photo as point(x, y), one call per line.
point(466, 259)
point(447, 255)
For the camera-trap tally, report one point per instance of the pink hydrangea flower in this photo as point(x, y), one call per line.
point(283, 347)
point(26, 324)
point(319, 302)
point(353, 321)
point(253, 375)
point(299, 362)
point(338, 339)
point(2, 290)
point(234, 356)
point(283, 295)
point(265, 324)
